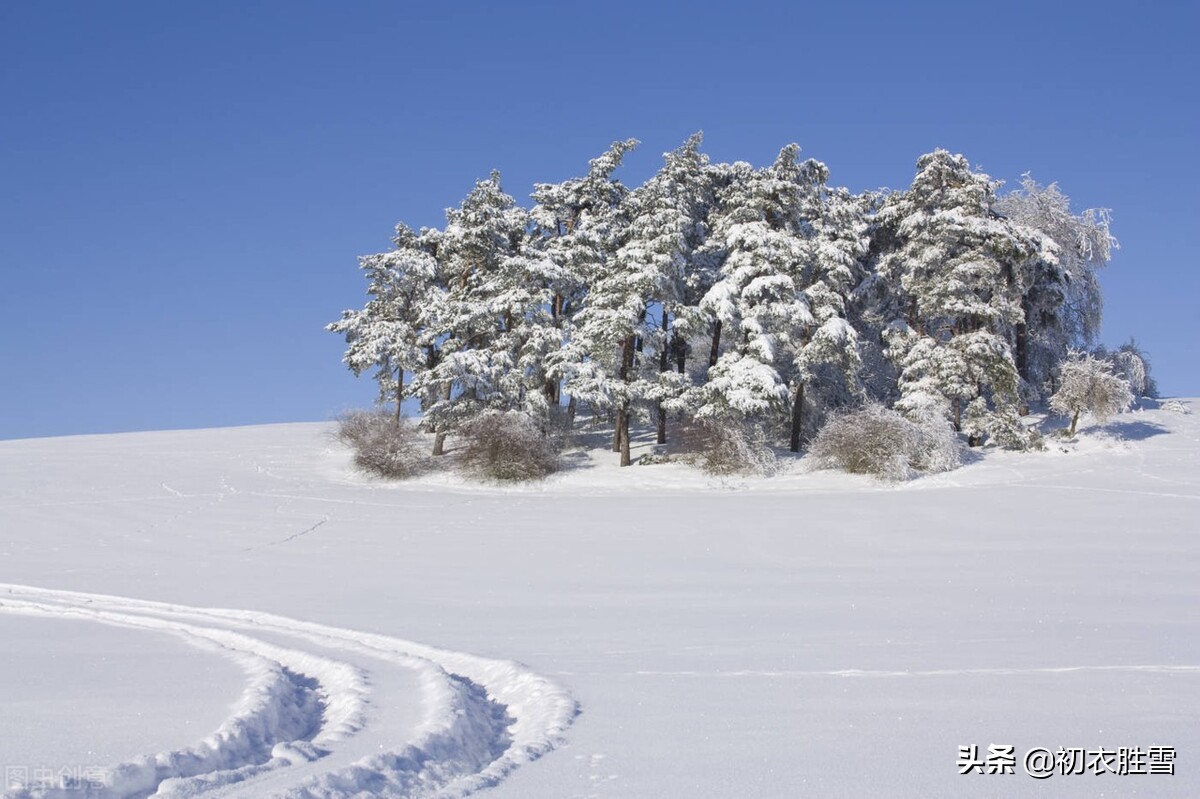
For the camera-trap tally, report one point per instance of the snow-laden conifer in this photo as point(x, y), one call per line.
point(765, 222)
point(389, 334)
point(827, 356)
point(493, 294)
point(575, 228)
point(668, 227)
point(957, 267)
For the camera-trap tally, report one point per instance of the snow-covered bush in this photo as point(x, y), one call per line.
point(1175, 406)
point(1131, 363)
point(938, 448)
point(876, 440)
point(383, 445)
point(1087, 383)
point(727, 446)
point(508, 446)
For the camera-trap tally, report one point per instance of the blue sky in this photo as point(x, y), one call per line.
point(187, 185)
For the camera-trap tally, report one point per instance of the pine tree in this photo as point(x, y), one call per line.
point(827, 354)
point(668, 226)
point(387, 333)
point(481, 254)
point(763, 220)
point(957, 267)
point(575, 229)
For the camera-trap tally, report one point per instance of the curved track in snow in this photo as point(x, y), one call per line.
point(315, 719)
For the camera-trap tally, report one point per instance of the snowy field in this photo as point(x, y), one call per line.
point(236, 612)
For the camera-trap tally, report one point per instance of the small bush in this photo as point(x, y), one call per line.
point(1175, 406)
point(383, 446)
point(508, 446)
point(726, 447)
point(878, 441)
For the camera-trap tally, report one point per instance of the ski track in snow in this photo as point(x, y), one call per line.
point(306, 726)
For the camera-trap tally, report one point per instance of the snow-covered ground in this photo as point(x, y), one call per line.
point(236, 612)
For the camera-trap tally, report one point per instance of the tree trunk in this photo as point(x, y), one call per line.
point(1021, 353)
point(797, 418)
point(958, 416)
point(621, 439)
point(664, 365)
point(623, 427)
point(571, 411)
point(1074, 421)
point(439, 438)
point(716, 344)
point(399, 397)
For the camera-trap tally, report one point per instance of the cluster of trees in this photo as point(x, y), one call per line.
point(737, 296)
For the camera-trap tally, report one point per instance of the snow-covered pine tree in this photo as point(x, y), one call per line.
point(574, 228)
point(668, 226)
point(599, 360)
point(764, 219)
point(828, 355)
point(957, 267)
point(387, 334)
point(482, 259)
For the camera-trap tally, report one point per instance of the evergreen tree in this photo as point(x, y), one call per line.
point(575, 228)
point(599, 359)
point(387, 334)
point(957, 267)
point(828, 353)
point(482, 263)
point(764, 221)
point(668, 226)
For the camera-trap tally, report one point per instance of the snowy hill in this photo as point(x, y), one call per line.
point(237, 612)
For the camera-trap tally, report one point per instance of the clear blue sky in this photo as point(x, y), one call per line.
point(186, 186)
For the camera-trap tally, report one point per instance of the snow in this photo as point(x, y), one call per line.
point(105, 683)
point(808, 634)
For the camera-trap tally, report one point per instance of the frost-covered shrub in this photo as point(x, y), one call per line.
point(1175, 406)
point(1088, 384)
point(727, 446)
point(383, 445)
point(1131, 363)
point(878, 441)
point(508, 446)
point(937, 446)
